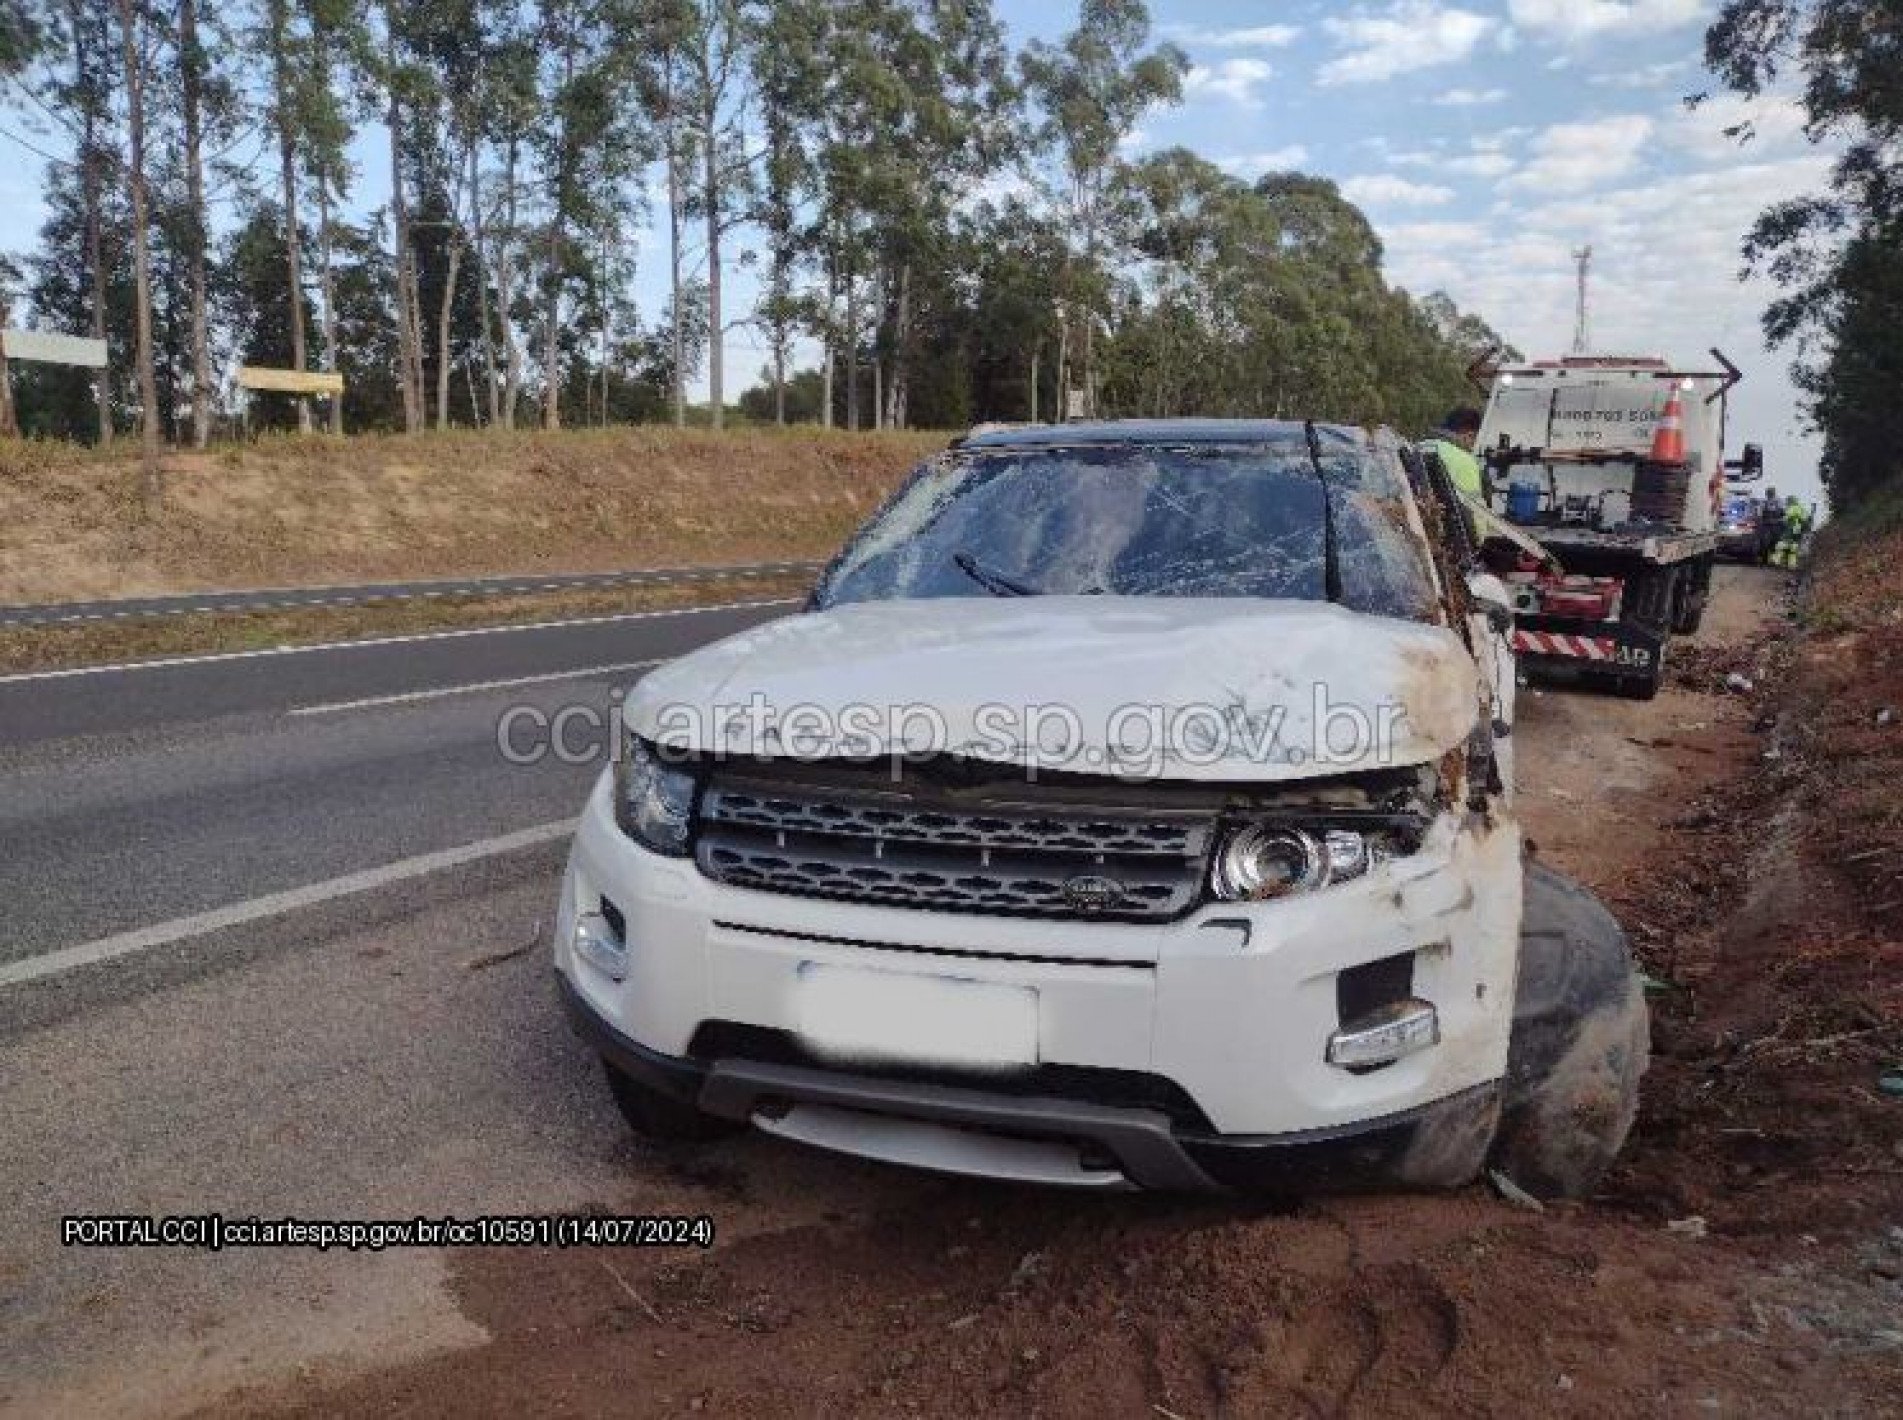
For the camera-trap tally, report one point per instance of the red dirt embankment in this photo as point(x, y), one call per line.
point(286, 511)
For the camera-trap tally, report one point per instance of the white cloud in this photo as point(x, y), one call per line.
point(1775, 123)
point(1406, 36)
point(1485, 164)
point(1245, 37)
point(1386, 190)
point(1647, 76)
point(1665, 265)
point(1469, 98)
point(1572, 158)
point(1234, 79)
point(1574, 21)
point(1274, 160)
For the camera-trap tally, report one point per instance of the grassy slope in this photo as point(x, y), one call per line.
point(286, 511)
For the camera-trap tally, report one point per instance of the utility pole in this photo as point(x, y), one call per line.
point(1582, 337)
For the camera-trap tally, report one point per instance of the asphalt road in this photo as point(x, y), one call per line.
point(356, 594)
point(142, 794)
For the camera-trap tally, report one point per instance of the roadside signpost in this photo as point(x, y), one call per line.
point(49, 348)
point(260, 377)
point(263, 378)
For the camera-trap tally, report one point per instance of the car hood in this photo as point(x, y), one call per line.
point(1226, 689)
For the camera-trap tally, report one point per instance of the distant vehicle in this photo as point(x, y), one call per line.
point(1739, 529)
point(1568, 446)
point(1191, 930)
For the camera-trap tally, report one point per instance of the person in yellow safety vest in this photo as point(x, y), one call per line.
point(1453, 444)
point(1796, 524)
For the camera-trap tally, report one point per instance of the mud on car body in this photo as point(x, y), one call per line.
point(1130, 806)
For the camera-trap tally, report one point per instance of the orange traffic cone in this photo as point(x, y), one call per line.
point(1668, 440)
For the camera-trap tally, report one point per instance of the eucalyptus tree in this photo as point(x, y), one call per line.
point(136, 45)
point(1092, 87)
point(590, 145)
point(1837, 252)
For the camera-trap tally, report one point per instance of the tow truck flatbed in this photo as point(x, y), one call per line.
point(1661, 546)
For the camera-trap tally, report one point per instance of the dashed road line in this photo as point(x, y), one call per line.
point(125, 944)
point(166, 663)
point(411, 697)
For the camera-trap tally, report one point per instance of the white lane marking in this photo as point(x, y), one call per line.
point(125, 944)
point(437, 692)
point(170, 661)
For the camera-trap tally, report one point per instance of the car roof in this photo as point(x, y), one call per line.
point(1150, 431)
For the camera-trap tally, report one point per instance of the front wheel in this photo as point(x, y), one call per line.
point(1581, 1038)
point(658, 1116)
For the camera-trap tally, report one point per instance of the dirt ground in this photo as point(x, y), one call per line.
point(1744, 1258)
point(284, 511)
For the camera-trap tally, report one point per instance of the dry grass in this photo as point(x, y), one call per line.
point(287, 511)
point(34, 648)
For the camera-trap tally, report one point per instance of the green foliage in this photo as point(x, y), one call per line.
point(955, 224)
point(1838, 254)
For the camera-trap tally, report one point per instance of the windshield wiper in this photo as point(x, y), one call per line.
point(996, 583)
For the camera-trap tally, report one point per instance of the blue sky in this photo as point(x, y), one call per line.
point(1484, 138)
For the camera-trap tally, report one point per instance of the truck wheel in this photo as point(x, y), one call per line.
point(1581, 1035)
point(658, 1116)
point(1640, 687)
point(1694, 590)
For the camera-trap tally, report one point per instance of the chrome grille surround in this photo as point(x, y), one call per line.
point(950, 854)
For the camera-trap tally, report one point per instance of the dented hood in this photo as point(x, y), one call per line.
point(1219, 689)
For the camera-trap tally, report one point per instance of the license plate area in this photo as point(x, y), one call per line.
point(850, 1014)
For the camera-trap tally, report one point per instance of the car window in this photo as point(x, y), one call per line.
point(1148, 520)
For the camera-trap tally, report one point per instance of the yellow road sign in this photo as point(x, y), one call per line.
point(258, 377)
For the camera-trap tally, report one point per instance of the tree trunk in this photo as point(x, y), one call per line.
point(674, 260)
point(280, 21)
point(9, 420)
point(505, 297)
point(1035, 350)
point(852, 351)
point(141, 252)
point(710, 147)
point(83, 79)
point(454, 263)
point(901, 343)
point(479, 235)
point(408, 354)
point(551, 353)
point(191, 67)
point(826, 387)
point(327, 281)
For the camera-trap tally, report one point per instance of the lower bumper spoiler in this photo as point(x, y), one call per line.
point(959, 1129)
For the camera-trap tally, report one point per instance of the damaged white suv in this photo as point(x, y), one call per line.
point(1129, 807)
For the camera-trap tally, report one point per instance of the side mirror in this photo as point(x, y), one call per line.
point(1748, 467)
point(1490, 600)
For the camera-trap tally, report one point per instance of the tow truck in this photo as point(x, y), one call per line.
point(1629, 521)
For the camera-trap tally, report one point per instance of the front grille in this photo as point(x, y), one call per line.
point(1068, 860)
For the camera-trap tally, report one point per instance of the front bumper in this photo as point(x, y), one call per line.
point(1057, 1140)
point(1228, 1012)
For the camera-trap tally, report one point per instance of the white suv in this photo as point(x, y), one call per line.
point(1129, 807)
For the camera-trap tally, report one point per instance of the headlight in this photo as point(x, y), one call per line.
point(654, 802)
point(1259, 860)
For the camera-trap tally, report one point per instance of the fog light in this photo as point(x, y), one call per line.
point(598, 944)
point(1383, 1036)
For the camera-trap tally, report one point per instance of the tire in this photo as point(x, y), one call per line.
point(1694, 590)
point(1581, 1036)
point(661, 1117)
point(1639, 687)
